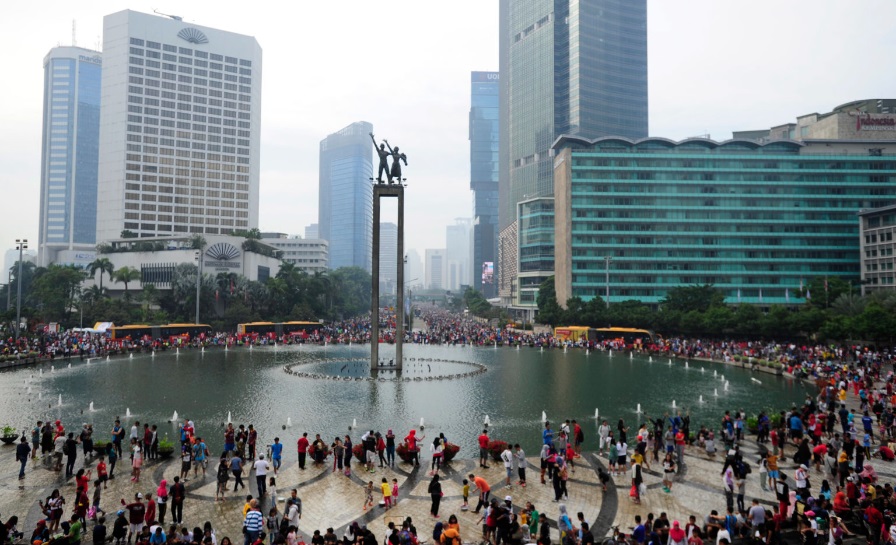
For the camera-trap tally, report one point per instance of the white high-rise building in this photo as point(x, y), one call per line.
point(457, 255)
point(435, 269)
point(180, 128)
point(414, 273)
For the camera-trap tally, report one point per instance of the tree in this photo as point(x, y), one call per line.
point(103, 265)
point(549, 311)
point(56, 290)
point(127, 233)
point(126, 275)
point(700, 297)
point(821, 291)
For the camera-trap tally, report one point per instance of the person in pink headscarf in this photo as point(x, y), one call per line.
point(162, 500)
point(677, 535)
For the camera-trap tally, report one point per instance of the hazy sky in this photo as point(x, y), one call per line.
point(404, 65)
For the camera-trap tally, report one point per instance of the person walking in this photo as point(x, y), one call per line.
point(261, 472)
point(22, 451)
point(435, 492)
point(236, 467)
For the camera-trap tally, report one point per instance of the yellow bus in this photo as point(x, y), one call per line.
point(573, 333)
point(627, 335)
point(167, 331)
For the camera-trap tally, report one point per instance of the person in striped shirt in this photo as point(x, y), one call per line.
point(253, 523)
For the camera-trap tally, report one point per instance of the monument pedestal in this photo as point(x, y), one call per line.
point(380, 191)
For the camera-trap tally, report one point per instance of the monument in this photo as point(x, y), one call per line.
point(392, 187)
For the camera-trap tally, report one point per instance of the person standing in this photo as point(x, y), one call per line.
point(521, 462)
point(22, 450)
point(236, 467)
point(303, 449)
point(253, 523)
point(162, 500)
point(70, 448)
point(177, 494)
point(261, 472)
point(507, 458)
point(276, 454)
point(223, 477)
point(117, 437)
point(435, 492)
point(252, 439)
point(136, 515)
point(483, 449)
point(35, 439)
point(390, 448)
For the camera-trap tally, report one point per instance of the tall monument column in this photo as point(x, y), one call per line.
point(380, 191)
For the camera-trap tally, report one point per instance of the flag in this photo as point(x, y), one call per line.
point(801, 284)
point(738, 295)
point(825, 284)
point(787, 294)
point(760, 295)
point(808, 295)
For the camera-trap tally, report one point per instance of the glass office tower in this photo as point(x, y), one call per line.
point(484, 128)
point(567, 67)
point(69, 155)
point(345, 200)
point(756, 220)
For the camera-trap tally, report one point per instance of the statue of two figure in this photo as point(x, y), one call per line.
point(384, 151)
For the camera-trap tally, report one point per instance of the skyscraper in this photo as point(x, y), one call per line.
point(484, 129)
point(457, 255)
point(435, 269)
point(567, 67)
point(345, 205)
point(180, 137)
point(69, 156)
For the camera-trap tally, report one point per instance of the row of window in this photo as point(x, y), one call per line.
point(195, 227)
point(168, 83)
point(186, 51)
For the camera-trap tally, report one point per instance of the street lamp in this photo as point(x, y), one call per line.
point(21, 246)
point(198, 281)
point(607, 260)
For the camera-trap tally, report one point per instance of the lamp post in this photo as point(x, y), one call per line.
point(21, 246)
point(607, 260)
point(198, 280)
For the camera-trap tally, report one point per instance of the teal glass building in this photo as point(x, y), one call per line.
point(484, 132)
point(757, 220)
point(567, 67)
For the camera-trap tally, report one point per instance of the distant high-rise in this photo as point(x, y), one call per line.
point(484, 130)
point(311, 231)
point(414, 272)
point(435, 269)
point(388, 258)
point(345, 202)
point(457, 255)
point(567, 67)
point(180, 128)
point(69, 156)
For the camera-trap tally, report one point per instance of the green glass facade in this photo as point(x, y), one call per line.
point(756, 221)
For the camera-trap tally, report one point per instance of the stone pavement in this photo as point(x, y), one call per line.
point(332, 499)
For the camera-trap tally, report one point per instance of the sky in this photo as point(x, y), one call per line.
point(404, 66)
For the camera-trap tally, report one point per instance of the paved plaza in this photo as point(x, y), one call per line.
point(332, 499)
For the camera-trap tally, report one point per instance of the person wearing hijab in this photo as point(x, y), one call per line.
point(564, 524)
point(162, 500)
point(437, 532)
point(676, 535)
point(435, 492)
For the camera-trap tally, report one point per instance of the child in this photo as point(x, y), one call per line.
point(120, 529)
point(604, 477)
point(394, 491)
point(387, 493)
point(272, 489)
point(273, 522)
point(368, 495)
point(101, 474)
point(96, 500)
point(570, 456)
point(465, 505)
point(99, 532)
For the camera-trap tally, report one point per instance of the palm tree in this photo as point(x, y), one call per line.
point(103, 265)
point(125, 275)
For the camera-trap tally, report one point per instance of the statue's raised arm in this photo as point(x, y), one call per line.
point(384, 165)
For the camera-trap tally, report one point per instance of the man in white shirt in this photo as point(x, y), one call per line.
point(507, 458)
point(261, 473)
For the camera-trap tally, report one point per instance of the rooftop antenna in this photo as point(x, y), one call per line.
point(175, 17)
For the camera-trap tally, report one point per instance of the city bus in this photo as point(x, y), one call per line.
point(167, 331)
point(573, 333)
point(629, 336)
point(278, 329)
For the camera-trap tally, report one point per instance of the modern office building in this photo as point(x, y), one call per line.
point(457, 255)
point(388, 258)
point(311, 231)
point(69, 156)
point(435, 269)
point(414, 272)
point(180, 128)
point(345, 196)
point(484, 131)
point(877, 227)
point(756, 220)
point(309, 255)
point(577, 68)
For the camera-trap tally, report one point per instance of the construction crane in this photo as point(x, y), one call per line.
point(175, 17)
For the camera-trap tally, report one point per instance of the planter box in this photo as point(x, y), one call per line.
point(9, 440)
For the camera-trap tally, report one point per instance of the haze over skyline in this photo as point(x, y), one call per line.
point(713, 68)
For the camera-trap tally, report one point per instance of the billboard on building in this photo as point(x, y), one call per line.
point(488, 272)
